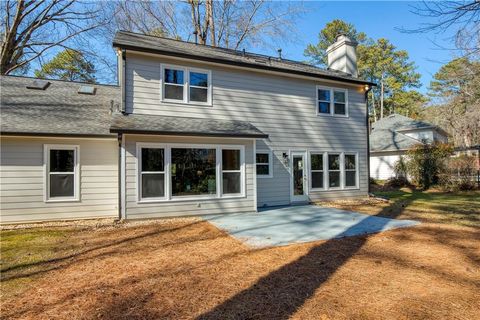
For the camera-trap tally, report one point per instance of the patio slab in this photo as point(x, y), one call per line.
point(281, 226)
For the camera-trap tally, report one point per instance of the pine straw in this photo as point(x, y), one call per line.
point(186, 269)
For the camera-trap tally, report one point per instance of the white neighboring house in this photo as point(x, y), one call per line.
point(392, 136)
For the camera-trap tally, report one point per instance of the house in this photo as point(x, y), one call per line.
point(392, 136)
point(190, 130)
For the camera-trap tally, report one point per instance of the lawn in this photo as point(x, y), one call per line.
point(188, 269)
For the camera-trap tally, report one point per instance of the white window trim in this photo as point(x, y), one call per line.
point(345, 170)
point(141, 146)
point(326, 182)
point(270, 163)
point(340, 170)
point(323, 154)
point(186, 85)
point(169, 197)
point(332, 103)
point(76, 172)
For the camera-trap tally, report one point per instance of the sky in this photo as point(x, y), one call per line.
point(378, 19)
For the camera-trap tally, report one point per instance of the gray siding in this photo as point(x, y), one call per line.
point(174, 208)
point(22, 181)
point(283, 107)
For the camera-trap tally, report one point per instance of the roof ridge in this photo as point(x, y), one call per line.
point(59, 80)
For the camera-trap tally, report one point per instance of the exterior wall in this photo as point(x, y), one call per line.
point(382, 164)
point(180, 207)
point(22, 184)
point(281, 106)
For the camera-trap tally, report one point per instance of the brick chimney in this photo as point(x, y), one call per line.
point(342, 55)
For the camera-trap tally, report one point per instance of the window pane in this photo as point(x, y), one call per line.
point(317, 161)
point(231, 182)
point(62, 160)
point(317, 180)
point(198, 94)
point(323, 95)
point(173, 92)
point(199, 79)
point(339, 96)
point(339, 108)
point(193, 171)
point(263, 169)
point(61, 185)
point(334, 162)
point(350, 161)
point(334, 179)
point(230, 159)
point(324, 107)
point(174, 76)
point(153, 185)
point(152, 159)
point(262, 158)
point(350, 178)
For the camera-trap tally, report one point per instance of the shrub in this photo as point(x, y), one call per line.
point(397, 182)
point(458, 173)
point(425, 162)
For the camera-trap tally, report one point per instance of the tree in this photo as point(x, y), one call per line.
point(456, 90)
point(225, 23)
point(462, 16)
point(68, 65)
point(379, 62)
point(29, 29)
point(327, 36)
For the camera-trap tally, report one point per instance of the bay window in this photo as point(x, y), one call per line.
point(174, 171)
point(332, 101)
point(62, 181)
point(186, 85)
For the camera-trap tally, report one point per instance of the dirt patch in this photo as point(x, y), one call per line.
point(186, 269)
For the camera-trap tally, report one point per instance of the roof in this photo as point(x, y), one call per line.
point(57, 110)
point(189, 50)
point(387, 133)
point(163, 125)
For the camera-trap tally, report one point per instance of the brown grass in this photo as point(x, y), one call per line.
point(185, 269)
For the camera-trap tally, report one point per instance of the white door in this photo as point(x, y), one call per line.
point(298, 177)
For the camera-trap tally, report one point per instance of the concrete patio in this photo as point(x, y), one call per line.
point(281, 226)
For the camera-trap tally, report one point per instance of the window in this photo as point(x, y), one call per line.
point(264, 164)
point(193, 172)
point(152, 173)
point(186, 85)
point(62, 181)
point(334, 170)
point(316, 169)
point(231, 171)
point(173, 84)
point(350, 163)
point(198, 87)
point(332, 101)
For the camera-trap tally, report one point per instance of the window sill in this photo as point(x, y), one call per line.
point(181, 199)
point(331, 115)
point(62, 200)
point(264, 176)
point(183, 103)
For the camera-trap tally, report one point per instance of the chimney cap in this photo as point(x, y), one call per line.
point(341, 39)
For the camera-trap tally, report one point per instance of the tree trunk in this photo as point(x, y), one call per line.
point(381, 98)
point(209, 12)
point(374, 107)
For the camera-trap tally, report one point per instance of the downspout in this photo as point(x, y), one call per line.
point(122, 81)
point(120, 200)
point(367, 124)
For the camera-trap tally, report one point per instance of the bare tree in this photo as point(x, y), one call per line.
point(226, 23)
point(31, 28)
point(463, 16)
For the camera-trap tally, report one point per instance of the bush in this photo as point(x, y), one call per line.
point(458, 173)
point(424, 163)
point(397, 182)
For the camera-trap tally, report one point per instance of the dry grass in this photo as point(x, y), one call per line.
point(184, 269)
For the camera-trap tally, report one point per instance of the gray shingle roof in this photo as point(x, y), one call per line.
point(191, 50)
point(387, 133)
point(58, 110)
point(162, 125)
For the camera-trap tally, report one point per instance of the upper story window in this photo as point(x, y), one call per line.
point(332, 101)
point(186, 85)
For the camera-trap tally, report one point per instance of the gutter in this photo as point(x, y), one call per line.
point(187, 134)
point(240, 64)
point(57, 135)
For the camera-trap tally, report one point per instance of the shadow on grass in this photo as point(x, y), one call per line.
point(281, 293)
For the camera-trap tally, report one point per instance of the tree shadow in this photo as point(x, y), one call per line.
point(281, 293)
